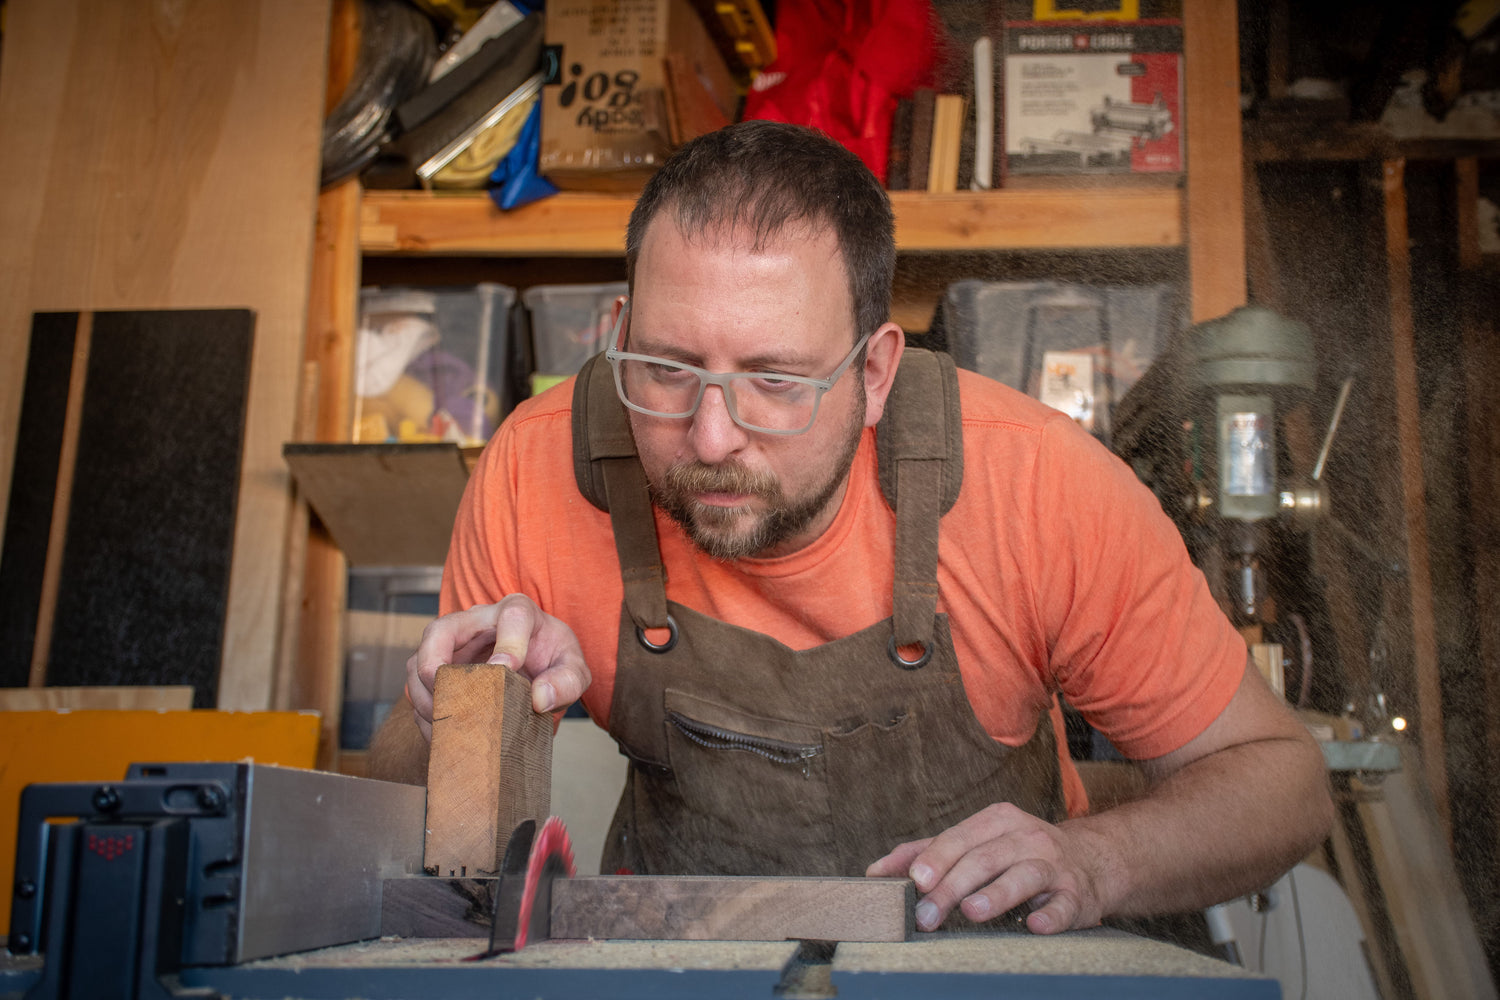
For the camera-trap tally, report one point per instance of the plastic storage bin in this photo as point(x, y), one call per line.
point(1076, 347)
point(569, 325)
point(433, 364)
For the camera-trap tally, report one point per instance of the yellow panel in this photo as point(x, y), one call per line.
point(40, 747)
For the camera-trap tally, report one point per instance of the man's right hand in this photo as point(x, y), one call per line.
point(513, 633)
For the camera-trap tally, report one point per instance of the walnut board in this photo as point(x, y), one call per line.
point(667, 908)
point(165, 155)
point(490, 768)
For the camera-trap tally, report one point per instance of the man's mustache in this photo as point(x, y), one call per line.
point(728, 477)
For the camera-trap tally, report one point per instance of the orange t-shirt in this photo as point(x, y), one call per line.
point(1057, 569)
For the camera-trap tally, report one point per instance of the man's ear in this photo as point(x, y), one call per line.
point(882, 357)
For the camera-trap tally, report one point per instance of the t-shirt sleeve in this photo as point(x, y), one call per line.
point(480, 567)
point(1138, 644)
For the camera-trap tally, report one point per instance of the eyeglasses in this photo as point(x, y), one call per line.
point(766, 402)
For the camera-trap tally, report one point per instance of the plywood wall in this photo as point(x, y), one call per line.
point(159, 154)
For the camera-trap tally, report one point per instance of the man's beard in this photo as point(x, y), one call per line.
point(714, 529)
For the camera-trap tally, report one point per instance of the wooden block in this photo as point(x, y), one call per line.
point(667, 908)
point(491, 767)
point(705, 908)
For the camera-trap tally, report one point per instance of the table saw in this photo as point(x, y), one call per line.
point(249, 881)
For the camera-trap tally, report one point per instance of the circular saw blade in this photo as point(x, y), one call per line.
point(551, 857)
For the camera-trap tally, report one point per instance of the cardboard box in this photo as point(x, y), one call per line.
point(1093, 96)
point(606, 124)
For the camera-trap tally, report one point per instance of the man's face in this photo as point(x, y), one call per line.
point(709, 301)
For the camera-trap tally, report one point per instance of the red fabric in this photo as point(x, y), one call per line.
point(841, 67)
point(1057, 568)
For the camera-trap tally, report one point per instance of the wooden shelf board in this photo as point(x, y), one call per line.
point(384, 504)
point(579, 224)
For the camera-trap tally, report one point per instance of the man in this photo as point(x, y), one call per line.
point(807, 680)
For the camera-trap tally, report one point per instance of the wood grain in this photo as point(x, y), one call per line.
point(1413, 491)
point(52, 699)
point(667, 908)
point(704, 908)
point(1215, 210)
point(162, 155)
point(384, 504)
point(578, 223)
point(491, 767)
point(1481, 345)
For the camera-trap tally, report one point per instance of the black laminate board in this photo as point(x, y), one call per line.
point(145, 572)
point(33, 484)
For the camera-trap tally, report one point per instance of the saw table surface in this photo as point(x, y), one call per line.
point(1092, 963)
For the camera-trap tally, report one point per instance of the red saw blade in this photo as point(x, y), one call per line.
point(551, 857)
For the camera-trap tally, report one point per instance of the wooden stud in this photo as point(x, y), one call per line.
point(1215, 210)
point(1413, 491)
point(491, 767)
point(1481, 345)
point(668, 908)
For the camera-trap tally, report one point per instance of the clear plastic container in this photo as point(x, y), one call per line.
point(569, 324)
point(433, 364)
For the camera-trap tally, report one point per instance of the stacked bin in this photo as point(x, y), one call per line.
point(569, 325)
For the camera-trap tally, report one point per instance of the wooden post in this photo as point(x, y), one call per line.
point(491, 768)
point(1413, 492)
point(1481, 346)
point(1215, 212)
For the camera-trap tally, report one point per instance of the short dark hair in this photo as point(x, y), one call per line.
point(769, 175)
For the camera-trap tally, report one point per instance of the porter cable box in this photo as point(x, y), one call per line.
point(605, 108)
point(1093, 96)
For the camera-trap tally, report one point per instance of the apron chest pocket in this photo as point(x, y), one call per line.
point(755, 790)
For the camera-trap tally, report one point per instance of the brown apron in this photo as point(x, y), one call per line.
point(751, 758)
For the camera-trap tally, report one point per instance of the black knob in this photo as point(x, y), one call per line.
point(106, 800)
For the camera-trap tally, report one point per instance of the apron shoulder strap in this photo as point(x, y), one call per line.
point(920, 452)
point(601, 429)
point(611, 477)
point(922, 423)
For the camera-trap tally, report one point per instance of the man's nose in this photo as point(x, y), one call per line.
point(714, 434)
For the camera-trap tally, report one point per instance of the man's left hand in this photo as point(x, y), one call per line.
point(994, 861)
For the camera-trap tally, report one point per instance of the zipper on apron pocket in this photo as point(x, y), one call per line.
point(714, 738)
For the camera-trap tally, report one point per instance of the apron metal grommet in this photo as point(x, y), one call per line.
point(904, 663)
point(649, 646)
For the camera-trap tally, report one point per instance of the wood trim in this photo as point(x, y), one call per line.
point(62, 500)
point(1413, 490)
point(584, 224)
point(1215, 209)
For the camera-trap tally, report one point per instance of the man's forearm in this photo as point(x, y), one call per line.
point(399, 752)
point(1220, 827)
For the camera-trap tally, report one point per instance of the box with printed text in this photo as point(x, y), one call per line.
point(1093, 96)
point(614, 71)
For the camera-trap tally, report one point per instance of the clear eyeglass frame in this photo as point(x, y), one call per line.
point(723, 380)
